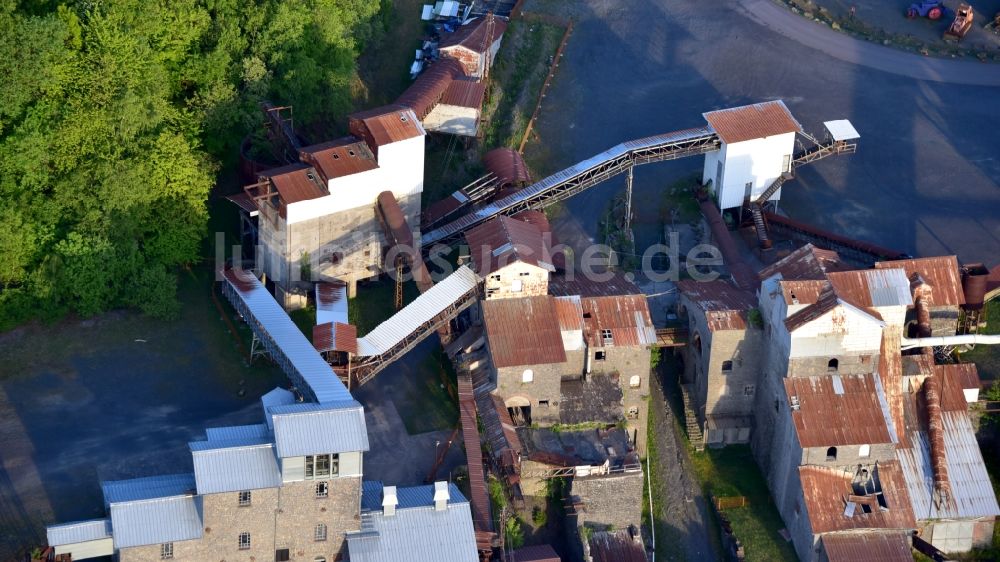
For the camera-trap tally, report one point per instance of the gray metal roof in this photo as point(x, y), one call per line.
point(413, 496)
point(276, 397)
point(234, 465)
point(310, 429)
point(240, 432)
point(416, 533)
point(146, 488)
point(138, 523)
point(971, 492)
point(78, 531)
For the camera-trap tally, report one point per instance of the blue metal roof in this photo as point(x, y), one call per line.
point(310, 429)
point(155, 521)
point(78, 531)
point(411, 496)
point(229, 433)
point(146, 488)
point(235, 465)
point(416, 533)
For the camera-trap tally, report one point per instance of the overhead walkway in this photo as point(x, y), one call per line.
point(581, 176)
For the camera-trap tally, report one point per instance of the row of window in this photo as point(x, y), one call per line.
point(864, 452)
point(832, 366)
point(245, 541)
point(322, 491)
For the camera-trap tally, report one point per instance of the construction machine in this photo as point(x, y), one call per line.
point(961, 25)
point(930, 9)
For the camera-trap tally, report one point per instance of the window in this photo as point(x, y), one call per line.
point(244, 498)
point(832, 366)
point(544, 403)
point(727, 366)
point(749, 389)
point(748, 190)
point(244, 541)
point(495, 277)
point(633, 412)
point(528, 375)
point(166, 551)
point(281, 555)
point(322, 466)
point(524, 273)
point(322, 489)
point(634, 381)
point(786, 163)
point(319, 533)
point(516, 286)
point(599, 356)
point(606, 336)
point(831, 454)
point(864, 451)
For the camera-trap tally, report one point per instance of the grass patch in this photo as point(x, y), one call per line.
point(375, 302)
point(668, 537)
point(987, 357)
point(732, 471)
point(384, 67)
point(430, 402)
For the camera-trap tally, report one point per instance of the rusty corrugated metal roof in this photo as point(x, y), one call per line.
point(617, 284)
point(465, 93)
point(481, 518)
point(807, 262)
point(523, 331)
point(873, 287)
point(339, 158)
point(890, 371)
point(385, 125)
point(508, 165)
point(836, 410)
point(395, 221)
point(802, 292)
point(626, 317)
point(826, 491)
point(857, 547)
point(243, 201)
point(725, 305)
point(750, 122)
point(825, 302)
point(941, 273)
point(955, 379)
point(616, 546)
point(335, 336)
point(428, 89)
point(503, 241)
point(295, 182)
point(570, 313)
point(472, 35)
point(537, 553)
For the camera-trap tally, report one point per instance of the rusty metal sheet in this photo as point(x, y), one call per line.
point(625, 316)
point(872, 287)
point(750, 122)
point(884, 547)
point(481, 513)
point(508, 165)
point(725, 306)
point(335, 336)
point(955, 379)
point(399, 232)
point(385, 125)
point(828, 418)
point(503, 241)
point(428, 89)
point(295, 182)
point(805, 263)
point(802, 292)
point(826, 302)
point(465, 93)
point(339, 158)
point(826, 490)
point(941, 273)
point(537, 553)
point(244, 201)
point(473, 34)
point(616, 546)
point(570, 313)
point(567, 285)
point(523, 331)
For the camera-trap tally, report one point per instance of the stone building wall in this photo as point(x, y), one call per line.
point(849, 456)
point(545, 385)
point(529, 280)
point(609, 500)
point(847, 364)
point(629, 362)
point(301, 510)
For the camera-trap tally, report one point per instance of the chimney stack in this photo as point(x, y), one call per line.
point(441, 496)
point(389, 500)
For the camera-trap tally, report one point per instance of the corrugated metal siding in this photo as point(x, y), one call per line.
point(424, 308)
point(238, 432)
point(872, 287)
point(853, 547)
point(157, 521)
point(825, 491)
point(828, 419)
point(473, 34)
point(230, 466)
point(304, 358)
point(335, 336)
point(311, 429)
point(276, 397)
point(523, 331)
point(616, 546)
point(427, 90)
point(146, 488)
point(523, 242)
point(971, 492)
point(78, 531)
point(418, 534)
point(750, 122)
point(508, 165)
point(941, 273)
point(465, 93)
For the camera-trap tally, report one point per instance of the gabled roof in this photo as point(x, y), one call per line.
point(385, 125)
point(78, 531)
point(826, 492)
point(508, 165)
point(725, 305)
point(750, 122)
point(465, 93)
point(503, 241)
point(941, 273)
point(473, 34)
point(880, 546)
point(616, 546)
point(309, 428)
point(335, 336)
point(806, 262)
point(431, 86)
point(803, 292)
point(956, 378)
point(827, 302)
point(523, 331)
point(339, 158)
point(835, 410)
point(295, 182)
point(235, 464)
point(156, 521)
point(872, 287)
point(149, 487)
point(625, 317)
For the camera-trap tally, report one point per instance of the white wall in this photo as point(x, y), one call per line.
point(840, 331)
point(759, 161)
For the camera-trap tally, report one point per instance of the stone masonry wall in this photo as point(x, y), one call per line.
point(630, 362)
point(848, 456)
point(846, 365)
point(611, 500)
point(545, 385)
point(300, 510)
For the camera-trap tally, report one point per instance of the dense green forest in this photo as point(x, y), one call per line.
point(115, 118)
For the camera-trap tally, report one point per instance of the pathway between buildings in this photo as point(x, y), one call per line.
point(864, 53)
point(679, 501)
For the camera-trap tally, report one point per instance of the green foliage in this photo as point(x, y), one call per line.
point(654, 358)
point(992, 394)
point(514, 535)
point(115, 117)
point(539, 516)
point(755, 318)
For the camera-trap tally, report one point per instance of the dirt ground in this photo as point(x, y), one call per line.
point(889, 15)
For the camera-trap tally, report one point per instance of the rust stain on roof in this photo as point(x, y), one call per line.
point(827, 417)
point(472, 35)
point(295, 182)
point(428, 89)
point(826, 492)
point(806, 263)
point(852, 547)
point(385, 125)
point(750, 122)
point(538, 553)
point(242, 279)
point(523, 331)
point(615, 285)
point(481, 519)
point(825, 302)
point(508, 165)
point(625, 318)
point(941, 273)
point(616, 546)
point(505, 240)
point(399, 232)
point(570, 313)
point(335, 336)
point(802, 292)
point(955, 379)
point(339, 158)
point(465, 93)
point(243, 201)
point(725, 305)
point(890, 370)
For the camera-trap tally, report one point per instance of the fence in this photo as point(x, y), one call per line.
point(730, 502)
